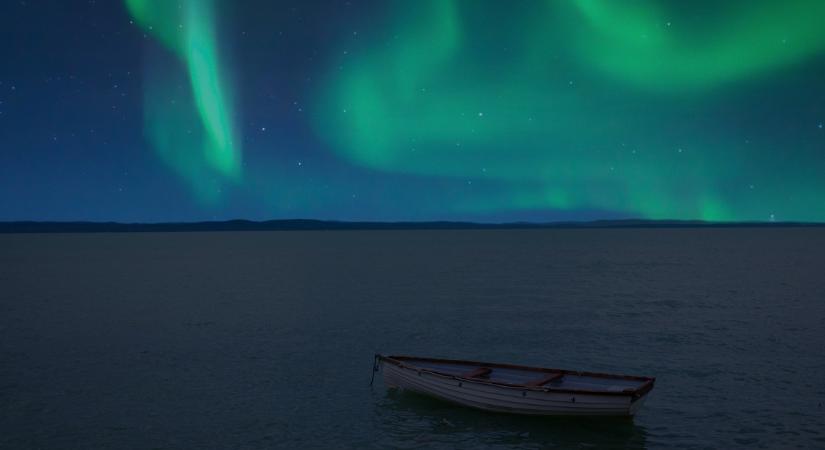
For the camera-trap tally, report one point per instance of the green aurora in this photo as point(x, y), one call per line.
point(580, 105)
point(446, 99)
point(192, 130)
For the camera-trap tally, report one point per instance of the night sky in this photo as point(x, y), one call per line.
point(183, 110)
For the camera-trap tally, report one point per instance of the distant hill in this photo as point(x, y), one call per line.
point(307, 224)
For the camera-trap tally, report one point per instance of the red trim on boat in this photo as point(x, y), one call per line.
point(477, 373)
point(546, 379)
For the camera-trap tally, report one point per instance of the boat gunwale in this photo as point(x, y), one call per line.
point(635, 393)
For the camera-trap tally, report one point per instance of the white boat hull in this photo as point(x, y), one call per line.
point(507, 399)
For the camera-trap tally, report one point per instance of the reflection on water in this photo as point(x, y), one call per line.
point(411, 420)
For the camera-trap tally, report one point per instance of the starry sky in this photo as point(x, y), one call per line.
point(186, 110)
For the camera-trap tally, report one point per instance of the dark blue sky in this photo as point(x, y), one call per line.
point(511, 123)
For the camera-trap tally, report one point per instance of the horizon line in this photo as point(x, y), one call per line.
point(297, 224)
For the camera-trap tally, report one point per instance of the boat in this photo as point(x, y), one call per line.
point(509, 388)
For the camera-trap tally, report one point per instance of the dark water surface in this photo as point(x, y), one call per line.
point(265, 339)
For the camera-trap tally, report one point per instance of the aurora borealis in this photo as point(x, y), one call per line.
point(448, 109)
point(188, 29)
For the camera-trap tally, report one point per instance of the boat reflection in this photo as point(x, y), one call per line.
point(411, 420)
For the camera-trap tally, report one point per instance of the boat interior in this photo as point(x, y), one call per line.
point(528, 376)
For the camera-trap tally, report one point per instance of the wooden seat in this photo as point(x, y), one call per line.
point(553, 376)
point(477, 373)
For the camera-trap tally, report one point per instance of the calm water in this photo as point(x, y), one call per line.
point(265, 339)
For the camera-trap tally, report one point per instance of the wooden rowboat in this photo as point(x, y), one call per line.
point(517, 389)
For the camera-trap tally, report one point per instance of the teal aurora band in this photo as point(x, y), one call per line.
point(650, 109)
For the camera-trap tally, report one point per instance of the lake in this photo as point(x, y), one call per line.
point(266, 339)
